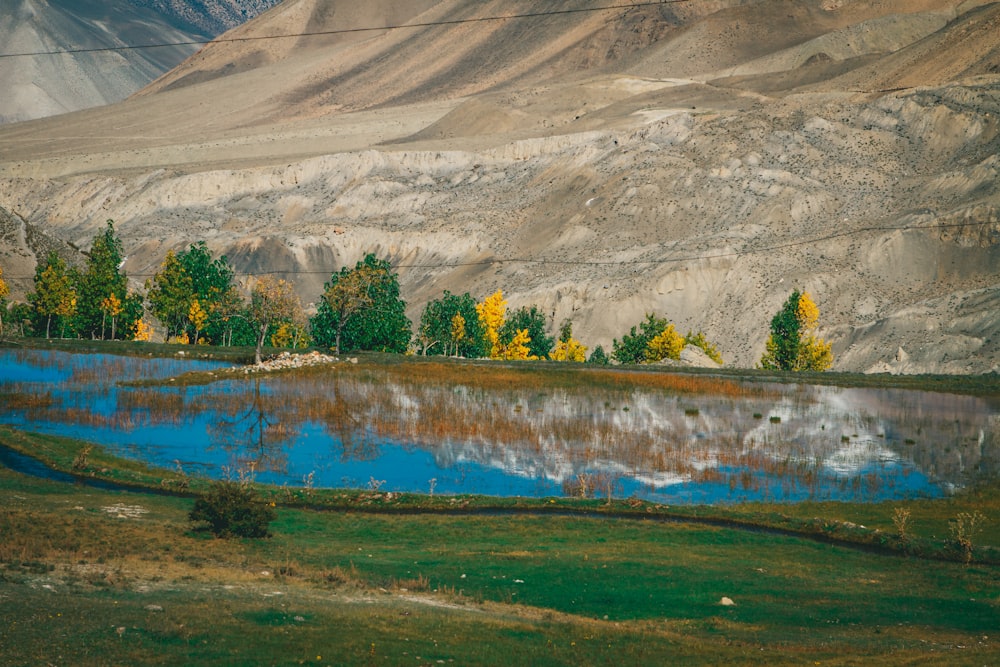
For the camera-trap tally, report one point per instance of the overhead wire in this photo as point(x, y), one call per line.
point(343, 31)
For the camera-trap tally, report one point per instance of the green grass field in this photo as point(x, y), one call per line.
point(103, 577)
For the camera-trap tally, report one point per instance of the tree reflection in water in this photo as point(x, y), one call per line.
point(490, 429)
point(256, 438)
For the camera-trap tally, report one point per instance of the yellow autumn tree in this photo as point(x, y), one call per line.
point(665, 345)
point(700, 341)
point(272, 302)
point(457, 330)
point(111, 306)
point(517, 348)
point(815, 354)
point(143, 331)
point(569, 350)
point(492, 312)
point(198, 318)
point(289, 334)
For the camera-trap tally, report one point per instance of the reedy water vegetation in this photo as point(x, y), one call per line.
point(518, 429)
point(386, 577)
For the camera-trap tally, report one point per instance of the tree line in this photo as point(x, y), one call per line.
point(196, 301)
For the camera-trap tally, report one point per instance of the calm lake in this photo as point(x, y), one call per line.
point(443, 428)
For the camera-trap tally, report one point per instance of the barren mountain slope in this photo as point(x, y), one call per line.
point(36, 86)
point(456, 48)
point(702, 193)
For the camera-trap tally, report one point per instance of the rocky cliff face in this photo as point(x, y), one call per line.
point(210, 17)
point(703, 184)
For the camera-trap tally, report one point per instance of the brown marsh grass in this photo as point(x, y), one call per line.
point(639, 422)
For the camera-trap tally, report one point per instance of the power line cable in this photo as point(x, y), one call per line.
point(342, 31)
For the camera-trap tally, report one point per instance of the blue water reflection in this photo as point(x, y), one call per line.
point(349, 429)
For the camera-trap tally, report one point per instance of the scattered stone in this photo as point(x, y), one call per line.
point(122, 511)
point(287, 360)
point(727, 602)
point(153, 607)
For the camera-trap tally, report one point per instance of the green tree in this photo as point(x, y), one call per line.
point(101, 279)
point(22, 316)
point(532, 320)
point(598, 357)
point(54, 295)
point(189, 276)
point(361, 310)
point(212, 285)
point(169, 293)
point(793, 344)
point(633, 345)
point(436, 331)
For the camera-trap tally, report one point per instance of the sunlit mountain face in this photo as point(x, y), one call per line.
point(76, 54)
point(666, 438)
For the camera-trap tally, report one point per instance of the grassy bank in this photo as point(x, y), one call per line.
point(97, 577)
point(928, 532)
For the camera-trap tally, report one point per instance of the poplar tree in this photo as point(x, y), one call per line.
point(532, 320)
point(633, 347)
point(101, 279)
point(439, 331)
point(194, 276)
point(492, 312)
point(169, 293)
point(568, 348)
point(793, 344)
point(54, 295)
point(665, 345)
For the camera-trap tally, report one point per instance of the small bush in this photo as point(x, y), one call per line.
point(233, 508)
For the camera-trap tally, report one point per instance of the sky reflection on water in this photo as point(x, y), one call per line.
point(360, 427)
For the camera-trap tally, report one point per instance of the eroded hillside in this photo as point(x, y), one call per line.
point(698, 160)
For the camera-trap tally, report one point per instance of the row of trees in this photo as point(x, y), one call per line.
point(195, 299)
